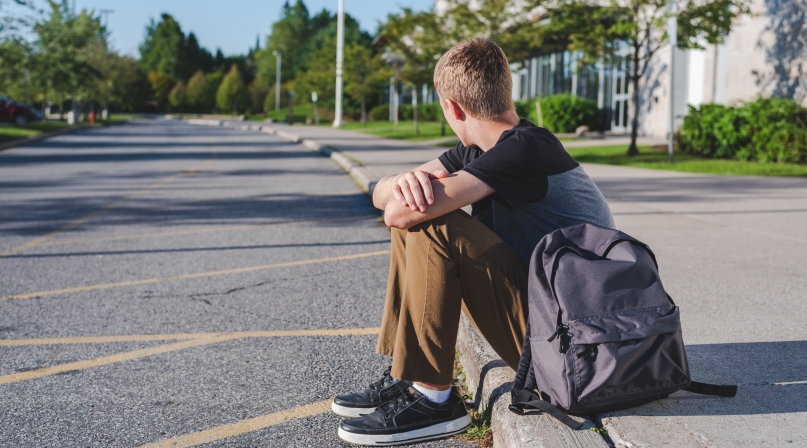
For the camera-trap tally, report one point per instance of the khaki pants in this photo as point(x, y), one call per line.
point(437, 268)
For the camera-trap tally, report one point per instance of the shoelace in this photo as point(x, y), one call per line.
point(402, 398)
point(375, 388)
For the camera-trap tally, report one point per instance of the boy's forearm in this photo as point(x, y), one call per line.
point(382, 193)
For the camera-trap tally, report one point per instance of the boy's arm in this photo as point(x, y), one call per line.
point(412, 187)
point(450, 193)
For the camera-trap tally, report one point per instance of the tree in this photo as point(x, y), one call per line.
point(65, 44)
point(129, 87)
point(161, 85)
point(257, 93)
point(419, 39)
point(289, 37)
point(363, 74)
point(177, 96)
point(509, 23)
point(161, 51)
point(232, 94)
point(198, 93)
point(599, 30)
point(321, 74)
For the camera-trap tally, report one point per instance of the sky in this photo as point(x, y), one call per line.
point(232, 25)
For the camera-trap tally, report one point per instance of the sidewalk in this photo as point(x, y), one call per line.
point(732, 253)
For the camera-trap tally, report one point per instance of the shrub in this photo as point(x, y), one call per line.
point(430, 112)
point(561, 113)
point(765, 130)
point(523, 108)
point(379, 113)
point(405, 112)
point(564, 113)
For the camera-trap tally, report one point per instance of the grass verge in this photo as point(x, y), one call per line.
point(10, 133)
point(479, 432)
point(648, 158)
point(406, 130)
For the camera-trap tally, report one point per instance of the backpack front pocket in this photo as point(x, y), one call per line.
point(620, 356)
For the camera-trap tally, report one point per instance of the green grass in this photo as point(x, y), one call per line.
point(479, 431)
point(9, 133)
point(647, 158)
point(406, 130)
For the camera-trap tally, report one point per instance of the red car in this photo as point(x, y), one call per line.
point(16, 113)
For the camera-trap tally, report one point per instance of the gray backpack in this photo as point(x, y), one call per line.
point(603, 334)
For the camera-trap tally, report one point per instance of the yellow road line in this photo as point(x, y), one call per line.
point(182, 336)
point(190, 276)
point(43, 239)
point(243, 426)
point(200, 231)
point(119, 357)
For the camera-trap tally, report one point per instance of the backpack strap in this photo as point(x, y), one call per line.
point(523, 394)
point(530, 400)
point(711, 389)
point(525, 376)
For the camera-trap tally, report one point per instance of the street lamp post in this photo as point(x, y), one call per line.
point(316, 111)
point(340, 43)
point(277, 79)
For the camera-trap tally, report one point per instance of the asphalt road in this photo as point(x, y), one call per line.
point(166, 281)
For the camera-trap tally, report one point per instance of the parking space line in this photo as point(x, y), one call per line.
point(118, 357)
point(43, 239)
point(200, 231)
point(194, 340)
point(191, 276)
point(243, 426)
point(183, 336)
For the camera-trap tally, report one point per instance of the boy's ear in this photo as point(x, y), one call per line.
point(455, 109)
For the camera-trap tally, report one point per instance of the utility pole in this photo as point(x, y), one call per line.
point(277, 79)
point(340, 43)
point(672, 32)
point(105, 13)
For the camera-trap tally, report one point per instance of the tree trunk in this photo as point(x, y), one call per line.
point(415, 109)
point(363, 113)
point(442, 124)
point(45, 103)
point(633, 150)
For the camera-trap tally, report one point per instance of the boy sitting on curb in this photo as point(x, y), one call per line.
point(522, 185)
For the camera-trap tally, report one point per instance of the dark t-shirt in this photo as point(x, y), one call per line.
point(538, 187)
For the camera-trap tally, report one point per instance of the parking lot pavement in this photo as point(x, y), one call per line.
point(173, 285)
point(731, 251)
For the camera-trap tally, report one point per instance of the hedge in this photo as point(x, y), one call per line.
point(765, 130)
point(379, 113)
point(562, 113)
point(426, 112)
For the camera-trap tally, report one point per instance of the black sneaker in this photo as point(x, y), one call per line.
point(409, 418)
point(362, 403)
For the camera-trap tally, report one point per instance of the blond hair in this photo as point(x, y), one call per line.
point(475, 73)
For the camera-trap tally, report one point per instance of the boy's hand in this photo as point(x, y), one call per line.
point(414, 188)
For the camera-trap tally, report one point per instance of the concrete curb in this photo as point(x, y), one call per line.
point(36, 138)
point(486, 374)
point(490, 379)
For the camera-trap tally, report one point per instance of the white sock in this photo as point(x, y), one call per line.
point(435, 396)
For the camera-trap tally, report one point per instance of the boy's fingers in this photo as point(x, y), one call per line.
point(426, 185)
point(438, 174)
point(407, 193)
point(396, 192)
point(417, 193)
